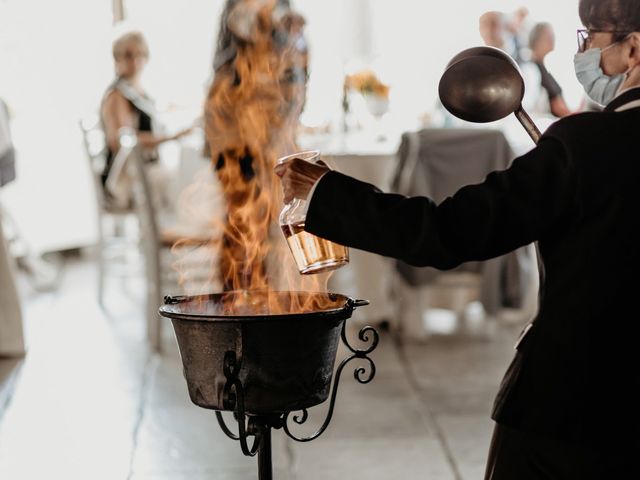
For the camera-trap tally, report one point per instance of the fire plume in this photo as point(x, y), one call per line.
point(251, 115)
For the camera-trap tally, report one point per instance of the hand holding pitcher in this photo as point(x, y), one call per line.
point(299, 173)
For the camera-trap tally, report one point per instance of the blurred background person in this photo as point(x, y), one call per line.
point(518, 26)
point(498, 30)
point(127, 104)
point(7, 154)
point(11, 335)
point(541, 43)
point(251, 117)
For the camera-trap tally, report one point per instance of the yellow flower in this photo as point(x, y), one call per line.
point(367, 83)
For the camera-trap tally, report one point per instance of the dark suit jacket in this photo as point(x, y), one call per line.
point(576, 374)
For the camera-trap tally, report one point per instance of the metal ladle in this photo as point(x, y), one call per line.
point(484, 84)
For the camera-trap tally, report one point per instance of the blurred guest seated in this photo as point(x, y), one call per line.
point(550, 99)
point(126, 104)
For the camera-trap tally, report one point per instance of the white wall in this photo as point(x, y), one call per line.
point(55, 63)
point(49, 76)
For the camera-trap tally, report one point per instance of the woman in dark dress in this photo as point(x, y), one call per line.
point(126, 104)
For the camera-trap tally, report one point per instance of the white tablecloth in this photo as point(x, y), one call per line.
point(367, 276)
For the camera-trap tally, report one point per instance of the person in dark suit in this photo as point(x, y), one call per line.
point(568, 407)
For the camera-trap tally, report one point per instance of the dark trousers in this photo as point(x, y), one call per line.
point(517, 455)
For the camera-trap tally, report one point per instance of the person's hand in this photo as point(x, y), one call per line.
point(298, 177)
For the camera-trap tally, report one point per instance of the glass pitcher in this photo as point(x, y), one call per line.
point(311, 253)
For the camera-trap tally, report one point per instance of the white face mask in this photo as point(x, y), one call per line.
point(599, 87)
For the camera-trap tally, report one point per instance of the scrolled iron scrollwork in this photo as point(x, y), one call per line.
point(233, 395)
point(227, 431)
point(358, 373)
point(233, 399)
point(363, 335)
point(300, 419)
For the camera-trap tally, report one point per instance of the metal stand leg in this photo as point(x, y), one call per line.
point(259, 426)
point(265, 468)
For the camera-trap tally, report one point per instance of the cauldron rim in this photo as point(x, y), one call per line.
point(172, 305)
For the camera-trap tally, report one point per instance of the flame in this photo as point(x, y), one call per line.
point(251, 115)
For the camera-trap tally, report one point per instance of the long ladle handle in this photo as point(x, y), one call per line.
point(534, 133)
point(528, 124)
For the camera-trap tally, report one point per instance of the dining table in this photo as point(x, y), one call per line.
point(372, 159)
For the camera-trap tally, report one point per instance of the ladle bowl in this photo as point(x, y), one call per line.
point(484, 84)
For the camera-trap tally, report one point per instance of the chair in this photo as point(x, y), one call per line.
point(116, 249)
point(149, 237)
point(436, 163)
point(155, 239)
point(130, 201)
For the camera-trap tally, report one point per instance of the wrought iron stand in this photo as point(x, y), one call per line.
point(259, 427)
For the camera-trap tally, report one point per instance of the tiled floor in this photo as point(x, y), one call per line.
point(91, 402)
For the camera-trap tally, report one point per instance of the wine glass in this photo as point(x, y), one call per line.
point(378, 106)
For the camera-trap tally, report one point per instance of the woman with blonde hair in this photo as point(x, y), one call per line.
point(127, 104)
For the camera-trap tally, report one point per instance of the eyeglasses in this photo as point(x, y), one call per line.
point(584, 37)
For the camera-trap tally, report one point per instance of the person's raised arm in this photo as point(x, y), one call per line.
point(509, 209)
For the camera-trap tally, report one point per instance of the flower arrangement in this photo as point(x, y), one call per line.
point(374, 97)
point(367, 83)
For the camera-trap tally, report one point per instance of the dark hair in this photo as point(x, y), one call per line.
point(536, 33)
point(615, 15)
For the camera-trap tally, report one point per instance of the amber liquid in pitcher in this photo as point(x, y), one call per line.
point(314, 254)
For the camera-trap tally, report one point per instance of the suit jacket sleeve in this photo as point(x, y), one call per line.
point(511, 208)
